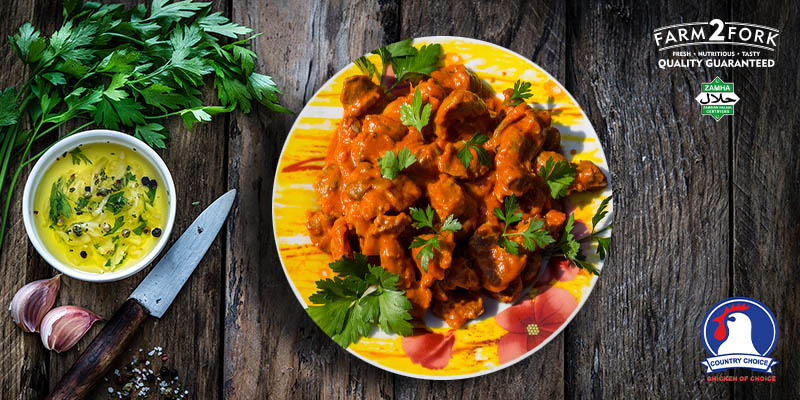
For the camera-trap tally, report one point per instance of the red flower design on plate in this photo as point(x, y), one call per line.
point(530, 322)
point(431, 350)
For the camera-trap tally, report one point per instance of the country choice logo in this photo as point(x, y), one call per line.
point(739, 332)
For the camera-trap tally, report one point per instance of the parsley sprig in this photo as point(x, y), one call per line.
point(521, 91)
point(128, 70)
point(391, 164)
point(406, 61)
point(474, 143)
point(534, 234)
point(361, 296)
point(78, 157)
point(59, 204)
point(415, 115)
point(558, 176)
point(569, 247)
point(423, 218)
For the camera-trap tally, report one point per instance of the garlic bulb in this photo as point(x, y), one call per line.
point(64, 326)
point(33, 301)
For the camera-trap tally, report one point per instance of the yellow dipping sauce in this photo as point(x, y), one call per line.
point(100, 207)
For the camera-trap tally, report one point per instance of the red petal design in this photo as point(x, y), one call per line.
point(511, 346)
point(552, 308)
point(431, 350)
point(517, 317)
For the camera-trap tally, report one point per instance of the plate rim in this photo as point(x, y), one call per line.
point(594, 278)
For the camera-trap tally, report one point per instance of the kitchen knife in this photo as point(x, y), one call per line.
point(151, 298)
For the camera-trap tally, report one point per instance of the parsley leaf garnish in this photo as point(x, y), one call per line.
point(407, 62)
point(78, 156)
point(366, 66)
point(568, 247)
point(558, 176)
point(521, 91)
point(391, 164)
point(424, 219)
point(474, 143)
point(59, 205)
point(422, 63)
point(359, 297)
point(534, 234)
point(415, 115)
point(116, 201)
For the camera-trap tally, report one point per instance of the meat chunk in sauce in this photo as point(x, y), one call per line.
point(496, 267)
point(359, 93)
point(447, 197)
point(459, 308)
point(461, 112)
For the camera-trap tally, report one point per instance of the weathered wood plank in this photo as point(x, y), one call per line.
point(537, 31)
point(638, 336)
point(191, 330)
point(24, 361)
point(272, 348)
point(766, 171)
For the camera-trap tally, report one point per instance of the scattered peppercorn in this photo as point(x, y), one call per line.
point(87, 189)
point(106, 227)
point(146, 230)
point(71, 189)
point(156, 232)
point(77, 230)
point(126, 232)
point(83, 254)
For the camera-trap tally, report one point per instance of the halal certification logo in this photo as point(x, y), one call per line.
point(717, 98)
point(739, 332)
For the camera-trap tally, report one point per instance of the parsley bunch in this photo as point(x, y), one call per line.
point(361, 296)
point(126, 70)
point(406, 61)
point(424, 219)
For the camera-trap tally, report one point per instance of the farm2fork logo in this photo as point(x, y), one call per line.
point(740, 332)
point(716, 44)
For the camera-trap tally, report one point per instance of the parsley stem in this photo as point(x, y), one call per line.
point(594, 234)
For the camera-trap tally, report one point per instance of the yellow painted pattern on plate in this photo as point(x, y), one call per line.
point(475, 347)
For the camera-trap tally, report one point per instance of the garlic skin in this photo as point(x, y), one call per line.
point(33, 301)
point(64, 326)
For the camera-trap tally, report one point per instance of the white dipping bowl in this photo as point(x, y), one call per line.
point(84, 138)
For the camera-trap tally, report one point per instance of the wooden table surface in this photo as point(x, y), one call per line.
point(704, 210)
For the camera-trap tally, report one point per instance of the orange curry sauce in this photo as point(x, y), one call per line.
point(360, 211)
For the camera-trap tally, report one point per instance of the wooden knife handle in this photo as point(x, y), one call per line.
point(97, 359)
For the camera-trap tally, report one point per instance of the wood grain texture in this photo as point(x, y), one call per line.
point(639, 334)
point(766, 173)
point(272, 348)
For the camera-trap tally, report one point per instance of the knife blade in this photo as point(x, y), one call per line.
point(152, 297)
point(159, 288)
